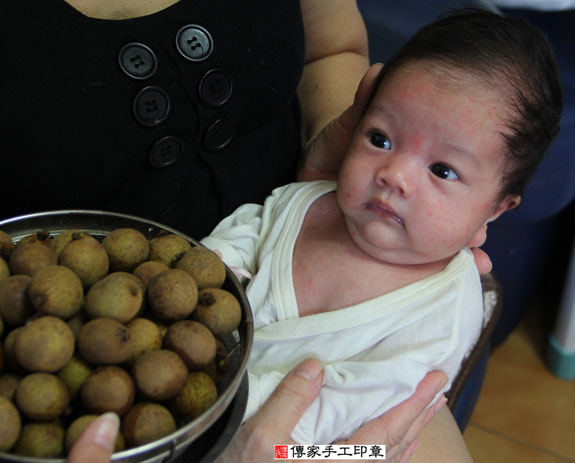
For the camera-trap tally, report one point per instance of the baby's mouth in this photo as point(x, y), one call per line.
point(384, 210)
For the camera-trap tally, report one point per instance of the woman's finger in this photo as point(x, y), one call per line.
point(96, 443)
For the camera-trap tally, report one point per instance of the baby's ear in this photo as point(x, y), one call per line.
point(509, 202)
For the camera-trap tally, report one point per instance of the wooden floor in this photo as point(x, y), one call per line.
point(524, 413)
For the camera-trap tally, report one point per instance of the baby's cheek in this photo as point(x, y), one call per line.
point(439, 227)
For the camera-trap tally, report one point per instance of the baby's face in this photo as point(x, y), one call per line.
point(423, 171)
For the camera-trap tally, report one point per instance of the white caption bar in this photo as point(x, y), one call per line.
point(330, 452)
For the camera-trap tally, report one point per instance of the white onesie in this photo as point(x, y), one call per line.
point(374, 353)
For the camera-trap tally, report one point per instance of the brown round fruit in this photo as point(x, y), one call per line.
point(147, 422)
point(86, 257)
point(10, 424)
point(44, 345)
point(74, 374)
point(196, 397)
point(4, 269)
point(6, 245)
point(42, 396)
point(146, 337)
point(204, 265)
point(15, 305)
point(108, 389)
point(127, 248)
point(56, 290)
point(10, 358)
point(146, 271)
point(118, 296)
point(193, 342)
point(28, 259)
point(104, 341)
point(62, 239)
point(41, 440)
point(166, 248)
point(219, 310)
point(8, 384)
point(159, 375)
point(172, 295)
point(42, 237)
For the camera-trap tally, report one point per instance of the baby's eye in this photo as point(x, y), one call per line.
point(444, 172)
point(379, 140)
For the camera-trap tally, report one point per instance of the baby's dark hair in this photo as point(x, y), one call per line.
point(506, 52)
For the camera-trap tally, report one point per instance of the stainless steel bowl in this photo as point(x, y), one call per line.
point(205, 436)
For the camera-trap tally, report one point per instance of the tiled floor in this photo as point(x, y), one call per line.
point(524, 413)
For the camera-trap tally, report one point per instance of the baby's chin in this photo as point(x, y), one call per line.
point(407, 257)
point(392, 246)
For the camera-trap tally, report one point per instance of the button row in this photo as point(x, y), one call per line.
point(168, 150)
point(152, 104)
point(139, 61)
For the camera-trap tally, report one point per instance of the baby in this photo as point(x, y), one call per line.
point(372, 275)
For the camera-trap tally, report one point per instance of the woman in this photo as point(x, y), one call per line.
point(178, 111)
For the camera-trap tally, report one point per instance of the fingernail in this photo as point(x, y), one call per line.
point(105, 435)
point(309, 369)
point(440, 403)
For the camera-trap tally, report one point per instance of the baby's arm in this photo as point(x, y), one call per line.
point(236, 238)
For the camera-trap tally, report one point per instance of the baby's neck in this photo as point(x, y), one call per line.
point(330, 272)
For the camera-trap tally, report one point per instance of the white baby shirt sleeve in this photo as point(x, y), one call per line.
point(236, 237)
point(240, 236)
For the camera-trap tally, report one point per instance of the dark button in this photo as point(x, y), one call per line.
point(138, 61)
point(166, 151)
point(215, 88)
point(194, 42)
point(219, 134)
point(151, 106)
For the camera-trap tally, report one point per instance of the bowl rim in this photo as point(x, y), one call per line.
point(185, 435)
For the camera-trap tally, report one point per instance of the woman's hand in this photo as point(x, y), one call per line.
point(274, 422)
point(324, 153)
point(96, 443)
point(400, 427)
point(482, 260)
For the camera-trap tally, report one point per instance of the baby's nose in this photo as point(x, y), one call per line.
point(398, 175)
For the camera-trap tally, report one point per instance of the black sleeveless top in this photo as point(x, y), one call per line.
point(179, 116)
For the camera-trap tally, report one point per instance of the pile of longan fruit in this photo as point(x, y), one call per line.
point(121, 323)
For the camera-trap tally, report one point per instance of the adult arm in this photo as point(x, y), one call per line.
point(336, 58)
point(441, 441)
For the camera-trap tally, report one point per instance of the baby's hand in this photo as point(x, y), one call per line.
point(238, 271)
